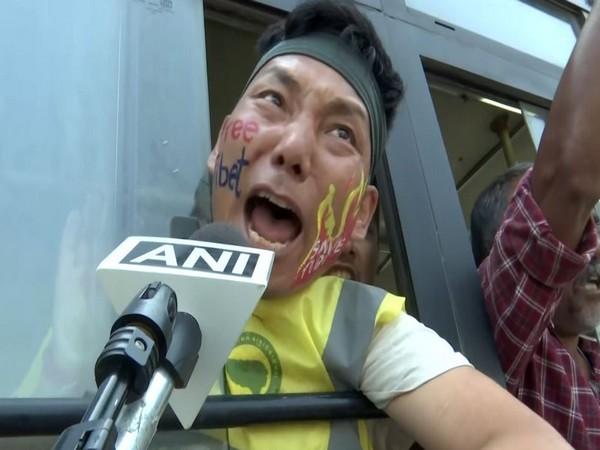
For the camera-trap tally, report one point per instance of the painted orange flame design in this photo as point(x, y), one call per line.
point(329, 243)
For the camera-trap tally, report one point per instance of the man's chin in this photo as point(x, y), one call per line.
point(284, 285)
point(280, 290)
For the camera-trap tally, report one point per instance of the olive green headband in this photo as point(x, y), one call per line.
point(332, 51)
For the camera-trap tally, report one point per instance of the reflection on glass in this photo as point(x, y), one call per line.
point(535, 118)
point(190, 440)
point(511, 22)
point(102, 106)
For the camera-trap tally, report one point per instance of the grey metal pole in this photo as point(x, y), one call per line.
point(500, 126)
point(138, 421)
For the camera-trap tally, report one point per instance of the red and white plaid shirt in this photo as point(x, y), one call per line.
point(523, 280)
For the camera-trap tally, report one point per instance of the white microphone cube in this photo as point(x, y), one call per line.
point(219, 284)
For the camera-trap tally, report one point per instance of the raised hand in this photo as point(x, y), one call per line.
point(82, 316)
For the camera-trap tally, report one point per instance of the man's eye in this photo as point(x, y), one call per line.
point(273, 97)
point(344, 133)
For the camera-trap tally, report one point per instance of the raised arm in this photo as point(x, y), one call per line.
point(566, 174)
point(523, 278)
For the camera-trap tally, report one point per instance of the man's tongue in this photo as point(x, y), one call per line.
point(270, 226)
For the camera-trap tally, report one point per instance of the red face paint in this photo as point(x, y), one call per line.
point(239, 130)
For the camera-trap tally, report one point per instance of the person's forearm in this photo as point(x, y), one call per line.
point(527, 442)
point(487, 416)
point(566, 174)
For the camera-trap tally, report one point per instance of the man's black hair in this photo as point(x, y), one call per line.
point(489, 209)
point(343, 19)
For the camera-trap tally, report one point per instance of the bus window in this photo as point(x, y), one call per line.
point(483, 134)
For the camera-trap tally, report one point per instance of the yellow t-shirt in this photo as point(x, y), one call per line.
point(313, 341)
point(334, 335)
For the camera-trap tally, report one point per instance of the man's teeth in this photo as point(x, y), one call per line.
point(273, 200)
point(593, 281)
point(591, 286)
point(275, 246)
point(341, 274)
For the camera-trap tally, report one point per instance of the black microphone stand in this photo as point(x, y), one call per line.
point(138, 420)
point(140, 342)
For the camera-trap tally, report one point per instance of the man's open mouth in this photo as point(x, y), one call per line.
point(592, 274)
point(593, 282)
point(341, 272)
point(272, 222)
point(589, 280)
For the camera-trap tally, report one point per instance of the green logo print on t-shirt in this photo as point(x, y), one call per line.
point(254, 365)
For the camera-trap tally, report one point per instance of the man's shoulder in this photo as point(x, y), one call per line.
point(335, 296)
point(332, 286)
point(369, 290)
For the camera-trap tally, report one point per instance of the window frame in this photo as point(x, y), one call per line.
point(426, 207)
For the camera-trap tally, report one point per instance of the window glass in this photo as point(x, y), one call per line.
point(535, 118)
point(473, 125)
point(190, 440)
point(547, 34)
point(105, 134)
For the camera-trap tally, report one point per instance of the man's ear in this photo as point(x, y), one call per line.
point(212, 159)
point(368, 205)
point(215, 152)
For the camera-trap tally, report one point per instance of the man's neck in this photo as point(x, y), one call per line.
point(571, 343)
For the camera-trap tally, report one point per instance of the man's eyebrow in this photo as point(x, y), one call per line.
point(337, 105)
point(283, 76)
point(348, 108)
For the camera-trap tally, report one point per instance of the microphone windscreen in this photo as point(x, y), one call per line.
point(220, 233)
point(181, 227)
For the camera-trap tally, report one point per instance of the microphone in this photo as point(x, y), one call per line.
point(223, 233)
point(183, 227)
point(217, 279)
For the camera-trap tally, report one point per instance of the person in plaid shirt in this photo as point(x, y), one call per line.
point(541, 278)
point(543, 302)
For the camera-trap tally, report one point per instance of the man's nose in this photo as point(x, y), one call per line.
point(294, 152)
